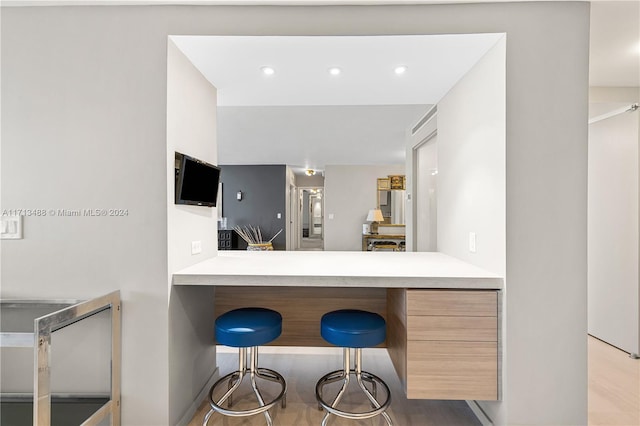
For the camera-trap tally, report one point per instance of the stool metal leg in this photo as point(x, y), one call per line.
point(234, 380)
point(336, 376)
point(361, 377)
point(254, 368)
point(365, 377)
point(333, 377)
point(345, 377)
point(267, 374)
point(359, 374)
point(242, 368)
point(207, 417)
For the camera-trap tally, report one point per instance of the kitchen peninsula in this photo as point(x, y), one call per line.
point(443, 315)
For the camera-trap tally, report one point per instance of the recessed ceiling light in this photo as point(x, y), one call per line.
point(400, 69)
point(335, 71)
point(267, 70)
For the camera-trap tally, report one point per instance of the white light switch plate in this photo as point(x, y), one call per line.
point(330, 216)
point(11, 227)
point(196, 247)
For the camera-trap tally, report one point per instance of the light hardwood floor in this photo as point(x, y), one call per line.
point(311, 244)
point(614, 386)
point(614, 391)
point(303, 370)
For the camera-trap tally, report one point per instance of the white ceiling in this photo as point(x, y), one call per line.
point(435, 63)
point(312, 136)
point(244, 2)
point(615, 44)
point(306, 118)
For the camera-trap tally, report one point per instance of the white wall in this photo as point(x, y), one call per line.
point(349, 193)
point(471, 164)
point(83, 126)
point(426, 195)
point(614, 289)
point(305, 181)
point(472, 172)
point(89, 83)
point(191, 130)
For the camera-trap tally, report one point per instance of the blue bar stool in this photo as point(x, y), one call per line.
point(353, 329)
point(247, 328)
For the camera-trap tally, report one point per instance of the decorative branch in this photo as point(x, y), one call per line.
point(278, 233)
point(253, 235)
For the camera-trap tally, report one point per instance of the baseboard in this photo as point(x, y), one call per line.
point(193, 408)
point(480, 414)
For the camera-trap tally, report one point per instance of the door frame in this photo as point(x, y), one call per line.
point(425, 129)
point(299, 206)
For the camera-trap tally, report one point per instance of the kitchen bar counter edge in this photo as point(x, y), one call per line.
point(338, 269)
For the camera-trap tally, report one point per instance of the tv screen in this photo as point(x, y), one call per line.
point(196, 181)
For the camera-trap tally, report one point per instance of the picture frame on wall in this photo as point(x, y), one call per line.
point(397, 181)
point(383, 184)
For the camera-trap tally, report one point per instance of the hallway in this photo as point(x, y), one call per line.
point(311, 244)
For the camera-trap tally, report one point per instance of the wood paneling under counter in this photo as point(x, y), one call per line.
point(301, 308)
point(452, 303)
point(444, 343)
point(452, 370)
point(464, 329)
point(397, 331)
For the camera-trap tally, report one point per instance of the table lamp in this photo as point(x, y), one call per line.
point(375, 216)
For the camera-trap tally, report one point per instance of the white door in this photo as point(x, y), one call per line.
point(293, 240)
point(426, 200)
point(613, 292)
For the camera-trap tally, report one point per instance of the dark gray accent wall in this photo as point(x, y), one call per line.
point(263, 197)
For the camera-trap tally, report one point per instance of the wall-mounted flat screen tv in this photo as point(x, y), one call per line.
point(196, 181)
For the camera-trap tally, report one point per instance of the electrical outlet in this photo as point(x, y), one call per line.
point(196, 247)
point(279, 215)
point(472, 242)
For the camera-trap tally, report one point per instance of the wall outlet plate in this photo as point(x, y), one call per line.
point(196, 247)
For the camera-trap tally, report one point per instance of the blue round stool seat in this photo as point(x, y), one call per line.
point(248, 327)
point(351, 328)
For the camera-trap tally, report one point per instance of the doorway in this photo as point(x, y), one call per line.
point(426, 195)
point(311, 213)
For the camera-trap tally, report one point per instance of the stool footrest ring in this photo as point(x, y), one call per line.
point(338, 375)
point(234, 380)
point(263, 373)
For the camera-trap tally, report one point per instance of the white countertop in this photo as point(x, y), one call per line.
point(337, 269)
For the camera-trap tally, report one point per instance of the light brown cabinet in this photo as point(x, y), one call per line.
point(444, 343)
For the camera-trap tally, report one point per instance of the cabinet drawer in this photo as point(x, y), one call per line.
point(452, 303)
point(452, 370)
point(469, 329)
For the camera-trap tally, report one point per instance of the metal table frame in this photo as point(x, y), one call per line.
point(41, 342)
